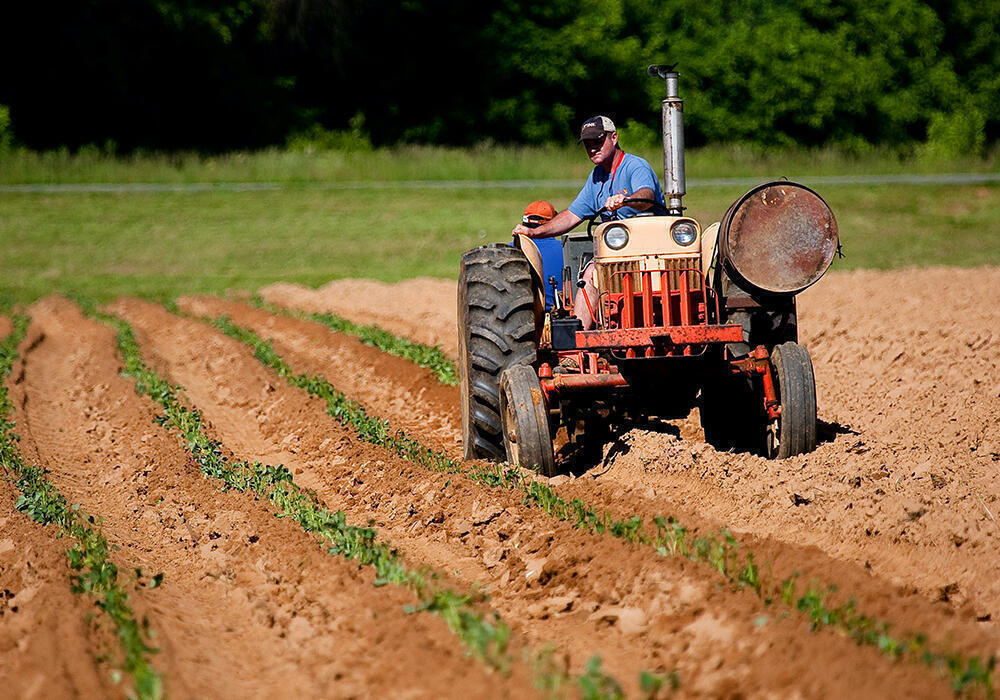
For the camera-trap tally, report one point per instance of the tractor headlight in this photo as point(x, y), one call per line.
point(683, 232)
point(616, 237)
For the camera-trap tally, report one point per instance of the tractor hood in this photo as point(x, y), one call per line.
point(779, 238)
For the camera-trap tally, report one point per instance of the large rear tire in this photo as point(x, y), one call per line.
point(794, 432)
point(496, 330)
point(525, 421)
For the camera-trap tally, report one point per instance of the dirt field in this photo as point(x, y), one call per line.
point(896, 509)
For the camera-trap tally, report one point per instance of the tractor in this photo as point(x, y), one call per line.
point(684, 317)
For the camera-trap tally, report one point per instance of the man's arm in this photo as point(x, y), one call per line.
point(558, 225)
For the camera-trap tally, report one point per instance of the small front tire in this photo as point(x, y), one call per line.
point(524, 416)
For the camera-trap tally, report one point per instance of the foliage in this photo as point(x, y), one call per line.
point(304, 72)
point(595, 684)
point(955, 133)
point(97, 575)
point(6, 130)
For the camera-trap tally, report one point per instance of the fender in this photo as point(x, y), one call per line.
point(530, 250)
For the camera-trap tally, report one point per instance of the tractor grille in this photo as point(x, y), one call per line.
point(612, 272)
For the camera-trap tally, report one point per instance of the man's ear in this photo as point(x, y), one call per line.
point(614, 137)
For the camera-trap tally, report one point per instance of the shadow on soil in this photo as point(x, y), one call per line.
point(828, 432)
point(582, 455)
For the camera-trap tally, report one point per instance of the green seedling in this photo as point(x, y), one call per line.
point(431, 358)
point(95, 574)
point(484, 635)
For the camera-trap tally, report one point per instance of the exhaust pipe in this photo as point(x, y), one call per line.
point(675, 185)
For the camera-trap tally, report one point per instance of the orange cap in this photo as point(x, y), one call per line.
point(538, 212)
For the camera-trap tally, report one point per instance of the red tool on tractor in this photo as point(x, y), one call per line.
point(684, 317)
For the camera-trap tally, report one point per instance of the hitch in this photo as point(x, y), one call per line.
point(759, 362)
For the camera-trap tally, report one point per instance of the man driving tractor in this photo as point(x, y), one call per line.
point(670, 316)
point(617, 175)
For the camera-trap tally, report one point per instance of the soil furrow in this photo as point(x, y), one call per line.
point(889, 601)
point(410, 397)
point(906, 481)
point(250, 605)
point(49, 648)
point(413, 308)
point(581, 591)
point(87, 571)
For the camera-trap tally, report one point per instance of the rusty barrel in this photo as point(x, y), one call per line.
point(778, 238)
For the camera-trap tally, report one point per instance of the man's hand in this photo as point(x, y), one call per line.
point(615, 201)
point(563, 222)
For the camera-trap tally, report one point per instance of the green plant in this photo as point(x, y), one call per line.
point(6, 130)
point(485, 636)
point(594, 683)
point(957, 133)
point(431, 358)
point(316, 139)
point(97, 575)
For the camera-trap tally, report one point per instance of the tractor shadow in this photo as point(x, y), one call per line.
point(828, 432)
point(595, 457)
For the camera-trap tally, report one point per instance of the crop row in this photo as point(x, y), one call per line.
point(97, 576)
point(430, 358)
point(485, 636)
point(667, 536)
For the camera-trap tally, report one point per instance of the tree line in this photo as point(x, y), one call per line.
point(223, 74)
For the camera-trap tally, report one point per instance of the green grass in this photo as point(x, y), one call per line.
point(161, 245)
point(438, 163)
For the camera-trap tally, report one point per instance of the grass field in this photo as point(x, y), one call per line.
point(437, 163)
point(160, 244)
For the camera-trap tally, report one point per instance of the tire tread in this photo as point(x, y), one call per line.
point(496, 331)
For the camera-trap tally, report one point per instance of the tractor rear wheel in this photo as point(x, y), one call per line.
point(525, 420)
point(496, 330)
point(794, 431)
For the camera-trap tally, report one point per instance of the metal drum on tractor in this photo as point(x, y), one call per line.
point(685, 316)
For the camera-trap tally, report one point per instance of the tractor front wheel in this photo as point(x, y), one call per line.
point(794, 431)
point(525, 420)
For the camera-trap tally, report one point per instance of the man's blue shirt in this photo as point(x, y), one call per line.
point(632, 174)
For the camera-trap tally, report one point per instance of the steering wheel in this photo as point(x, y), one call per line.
point(657, 208)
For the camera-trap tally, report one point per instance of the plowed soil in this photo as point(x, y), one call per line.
point(250, 604)
point(896, 508)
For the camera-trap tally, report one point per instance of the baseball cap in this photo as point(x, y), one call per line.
point(537, 213)
point(596, 127)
